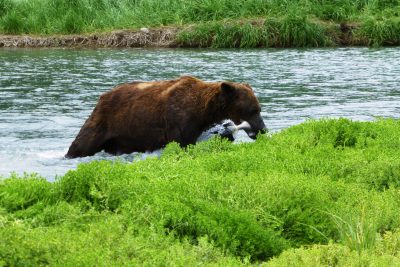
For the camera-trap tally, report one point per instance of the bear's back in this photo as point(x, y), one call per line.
point(154, 90)
point(151, 96)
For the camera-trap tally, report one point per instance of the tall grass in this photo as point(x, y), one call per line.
point(224, 35)
point(75, 16)
point(381, 31)
point(320, 193)
point(293, 30)
point(358, 234)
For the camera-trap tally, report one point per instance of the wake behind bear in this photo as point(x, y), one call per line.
point(145, 116)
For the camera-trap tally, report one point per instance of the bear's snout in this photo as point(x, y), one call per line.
point(257, 126)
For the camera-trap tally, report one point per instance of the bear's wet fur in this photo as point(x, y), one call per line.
point(145, 116)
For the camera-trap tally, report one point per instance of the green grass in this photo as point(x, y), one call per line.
point(381, 31)
point(217, 23)
point(293, 30)
point(320, 193)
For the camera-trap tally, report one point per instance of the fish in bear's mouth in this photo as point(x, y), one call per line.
point(230, 130)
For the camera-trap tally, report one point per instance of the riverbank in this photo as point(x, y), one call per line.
point(276, 33)
point(161, 37)
point(211, 23)
point(320, 193)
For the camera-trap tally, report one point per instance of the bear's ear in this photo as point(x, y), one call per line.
point(228, 88)
point(247, 85)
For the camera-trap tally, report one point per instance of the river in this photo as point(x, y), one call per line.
point(46, 94)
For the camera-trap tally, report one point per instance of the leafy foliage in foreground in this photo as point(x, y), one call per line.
point(320, 193)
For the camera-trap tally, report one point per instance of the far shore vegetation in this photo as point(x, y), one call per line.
point(215, 23)
point(322, 193)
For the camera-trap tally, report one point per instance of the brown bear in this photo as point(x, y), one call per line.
point(145, 116)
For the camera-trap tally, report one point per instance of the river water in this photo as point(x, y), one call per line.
point(46, 94)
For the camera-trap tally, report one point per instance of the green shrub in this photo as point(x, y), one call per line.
point(22, 192)
point(320, 193)
point(103, 243)
point(384, 253)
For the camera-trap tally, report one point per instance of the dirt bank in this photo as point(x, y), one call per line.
point(161, 37)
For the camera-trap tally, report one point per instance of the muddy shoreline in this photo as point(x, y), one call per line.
point(161, 37)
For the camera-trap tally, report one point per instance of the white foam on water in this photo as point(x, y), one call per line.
point(51, 154)
point(152, 154)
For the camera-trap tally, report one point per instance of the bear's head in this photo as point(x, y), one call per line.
point(242, 105)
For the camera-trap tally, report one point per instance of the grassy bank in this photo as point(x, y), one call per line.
point(321, 193)
point(216, 23)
